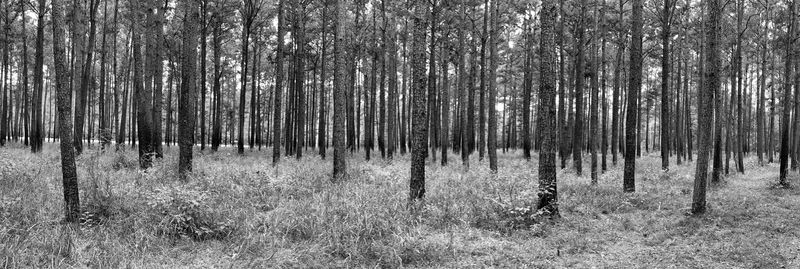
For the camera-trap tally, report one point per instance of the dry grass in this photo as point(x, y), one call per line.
point(241, 212)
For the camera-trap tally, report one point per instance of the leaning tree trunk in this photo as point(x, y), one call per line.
point(68, 171)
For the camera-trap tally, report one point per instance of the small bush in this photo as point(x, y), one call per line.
point(186, 212)
point(124, 161)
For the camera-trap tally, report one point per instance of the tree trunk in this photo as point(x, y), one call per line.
point(492, 135)
point(787, 95)
point(37, 126)
point(79, 58)
point(158, 76)
point(393, 102)
point(339, 98)
point(548, 191)
point(527, 85)
point(419, 133)
point(203, 44)
point(705, 95)
point(482, 101)
point(634, 86)
point(577, 142)
point(321, 144)
point(593, 107)
point(299, 78)
point(143, 95)
point(276, 122)
point(666, 20)
point(186, 116)
point(562, 98)
point(68, 171)
point(445, 104)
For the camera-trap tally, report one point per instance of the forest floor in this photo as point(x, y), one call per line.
point(240, 212)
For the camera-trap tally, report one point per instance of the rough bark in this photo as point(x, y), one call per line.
point(548, 191)
point(593, 107)
point(143, 95)
point(711, 83)
point(64, 95)
point(418, 128)
point(186, 110)
point(321, 143)
point(492, 98)
point(665, 79)
point(37, 127)
point(276, 120)
point(339, 98)
point(634, 86)
point(787, 96)
point(577, 137)
point(79, 59)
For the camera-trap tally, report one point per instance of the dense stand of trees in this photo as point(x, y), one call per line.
point(554, 78)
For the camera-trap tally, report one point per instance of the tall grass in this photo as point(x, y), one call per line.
point(240, 211)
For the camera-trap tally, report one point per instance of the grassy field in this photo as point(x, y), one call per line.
point(240, 212)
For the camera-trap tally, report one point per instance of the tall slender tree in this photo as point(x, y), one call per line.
point(418, 127)
point(634, 87)
point(143, 95)
point(492, 136)
point(37, 127)
point(321, 142)
point(68, 171)
point(276, 120)
point(186, 110)
point(577, 137)
point(666, 21)
point(710, 87)
point(339, 94)
point(78, 59)
point(546, 121)
point(593, 107)
point(787, 94)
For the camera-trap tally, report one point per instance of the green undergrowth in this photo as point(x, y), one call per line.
point(241, 212)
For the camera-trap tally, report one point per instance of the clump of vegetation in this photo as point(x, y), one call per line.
point(186, 212)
